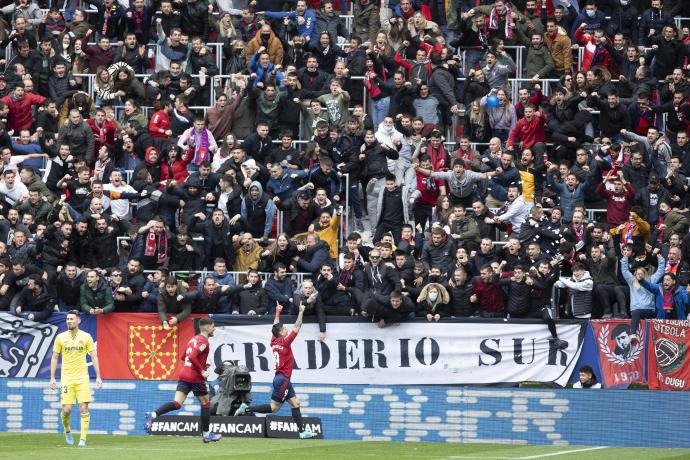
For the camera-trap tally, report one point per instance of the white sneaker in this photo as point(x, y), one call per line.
point(241, 410)
point(82, 443)
point(307, 435)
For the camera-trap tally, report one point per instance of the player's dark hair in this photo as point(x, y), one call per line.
point(75, 313)
point(206, 322)
point(277, 327)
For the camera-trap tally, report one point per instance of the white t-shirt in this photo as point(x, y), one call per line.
point(119, 208)
point(18, 191)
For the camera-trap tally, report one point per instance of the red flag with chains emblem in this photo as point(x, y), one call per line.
point(137, 346)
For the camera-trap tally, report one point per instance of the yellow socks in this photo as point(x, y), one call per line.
point(85, 418)
point(65, 421)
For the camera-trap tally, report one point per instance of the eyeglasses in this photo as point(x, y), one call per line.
point(374, 257)
point(116, 274)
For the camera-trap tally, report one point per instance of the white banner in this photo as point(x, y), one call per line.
point(412, 353)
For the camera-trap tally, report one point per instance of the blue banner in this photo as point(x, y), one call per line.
point(429, 413)
point(26, 347)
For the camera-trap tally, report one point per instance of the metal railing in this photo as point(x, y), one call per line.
point(298, 277)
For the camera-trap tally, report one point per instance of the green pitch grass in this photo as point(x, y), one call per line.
point(27, 446)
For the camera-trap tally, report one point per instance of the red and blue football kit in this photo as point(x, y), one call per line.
point(195, 357)
point(285, 361)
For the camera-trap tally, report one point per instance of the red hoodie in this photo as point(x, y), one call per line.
point(489, 296)
point(427, 197)
point(20, 111)
point(159, 124)
point(529, 132)
point(617, 204)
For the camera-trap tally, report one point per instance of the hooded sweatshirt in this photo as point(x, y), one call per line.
point(641, 298)
point(258, 212)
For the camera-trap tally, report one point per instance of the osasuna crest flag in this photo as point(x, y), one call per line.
point(621, 362)
point(138, 347)
point(669, 368)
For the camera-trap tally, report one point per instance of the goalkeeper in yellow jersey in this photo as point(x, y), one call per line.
point(74, 375)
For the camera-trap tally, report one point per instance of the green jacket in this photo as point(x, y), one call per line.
point(675, 223)
point(101, 297)
point(40, 212)
point(538, 61)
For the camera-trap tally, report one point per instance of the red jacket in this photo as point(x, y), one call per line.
point(103, 135)
point(617, 204)
point(159, 121)
point(20, 116)
point(427, 196)
point(594, 55)
point(529, 132)
point(179, 170)
point(489, 296)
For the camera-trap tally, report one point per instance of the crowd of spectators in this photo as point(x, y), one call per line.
point(380, 158)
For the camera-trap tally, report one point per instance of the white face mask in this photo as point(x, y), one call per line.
point(387, 129)
point(624, 2)
point(65, 45)
point(591, 13)
point(433, 296)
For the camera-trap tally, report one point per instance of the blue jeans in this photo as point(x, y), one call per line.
point(637, 315)
point(380, 111)
point(132, 162)
point(472, 57)
point(355, 202)
point(74, 214)
point(502, 134)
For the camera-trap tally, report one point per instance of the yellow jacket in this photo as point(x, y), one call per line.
point(328, 234)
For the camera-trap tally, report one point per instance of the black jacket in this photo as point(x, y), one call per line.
point(254, 298)
point(41, 306)
point(56, 247)
point(103, 246)
point(381, 280)
point(376, 161)
point(67, 290)
point(460, 305)
point(291, 210)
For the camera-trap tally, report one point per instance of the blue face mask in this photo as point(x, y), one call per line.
point(590, 13)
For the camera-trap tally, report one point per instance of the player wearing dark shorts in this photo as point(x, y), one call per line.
point(192, 378)
point(281, 344)
point(542, 279)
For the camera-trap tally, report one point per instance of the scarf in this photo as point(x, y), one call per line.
point(346, 277)
point(101, 165)
point(629, 229)
point(494, 21)
point(138, 20)
point(579, 232)
point(667, 300)
point(438, 157)
point(153, 241)
point(468, 155)
point(201, 145)
point(659, 222)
